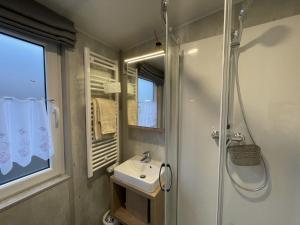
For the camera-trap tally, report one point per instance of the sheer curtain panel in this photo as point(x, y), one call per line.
point(24, 132)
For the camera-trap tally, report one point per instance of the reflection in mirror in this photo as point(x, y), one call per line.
point(145, 82)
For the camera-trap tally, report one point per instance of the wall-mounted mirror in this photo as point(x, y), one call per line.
point(145, 90)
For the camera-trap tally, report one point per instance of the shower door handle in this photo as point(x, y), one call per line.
point(163, 186)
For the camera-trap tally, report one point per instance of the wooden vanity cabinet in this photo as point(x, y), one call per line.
point(131, 206)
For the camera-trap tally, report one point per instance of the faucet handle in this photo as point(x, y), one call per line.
point(146, 157)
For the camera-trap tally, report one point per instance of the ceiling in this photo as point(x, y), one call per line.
point(123, 24)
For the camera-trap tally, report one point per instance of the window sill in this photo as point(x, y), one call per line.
point(160, 130)
point(13, 200)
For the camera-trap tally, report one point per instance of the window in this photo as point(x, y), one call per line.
point(29, 69)
point(147, 103)
point(23, 81)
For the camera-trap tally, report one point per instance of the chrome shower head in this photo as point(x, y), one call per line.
point(245, 8)
point(237, 34)
point(163, 10)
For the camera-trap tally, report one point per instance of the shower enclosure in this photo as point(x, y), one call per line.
point(232, 112)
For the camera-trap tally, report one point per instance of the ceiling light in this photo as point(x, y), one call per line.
point(145, 57)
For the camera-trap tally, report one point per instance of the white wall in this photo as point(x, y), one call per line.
point(198, 154)
point(270, 83)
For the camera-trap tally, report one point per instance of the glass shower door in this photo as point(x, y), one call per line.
point(193, 91)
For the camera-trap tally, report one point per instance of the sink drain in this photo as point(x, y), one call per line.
point(143, 176)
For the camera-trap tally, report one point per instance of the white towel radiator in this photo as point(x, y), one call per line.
point(99, 71)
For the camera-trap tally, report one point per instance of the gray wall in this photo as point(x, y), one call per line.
point(78, 201)
point(140, 141)
point(47, 208)
point(91, 197)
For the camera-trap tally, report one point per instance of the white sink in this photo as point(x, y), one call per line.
point(143, 176)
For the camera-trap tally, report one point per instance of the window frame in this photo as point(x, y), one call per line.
point(26, 186)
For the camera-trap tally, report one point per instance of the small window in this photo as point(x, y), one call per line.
point(147, 103)
point(22, 72)
point(22, 75)
point(30, 72)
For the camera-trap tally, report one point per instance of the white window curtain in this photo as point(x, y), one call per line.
point(147, 114)
point(24, 132)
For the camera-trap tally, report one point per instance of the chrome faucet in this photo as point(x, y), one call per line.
point(146, 157)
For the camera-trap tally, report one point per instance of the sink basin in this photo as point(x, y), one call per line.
point(143, 176)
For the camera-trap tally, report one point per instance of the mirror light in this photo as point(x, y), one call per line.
point(145, 57)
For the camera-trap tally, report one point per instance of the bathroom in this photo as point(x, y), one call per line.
point(199, 101)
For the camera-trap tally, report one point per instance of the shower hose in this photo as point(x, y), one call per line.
point(235, 58)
